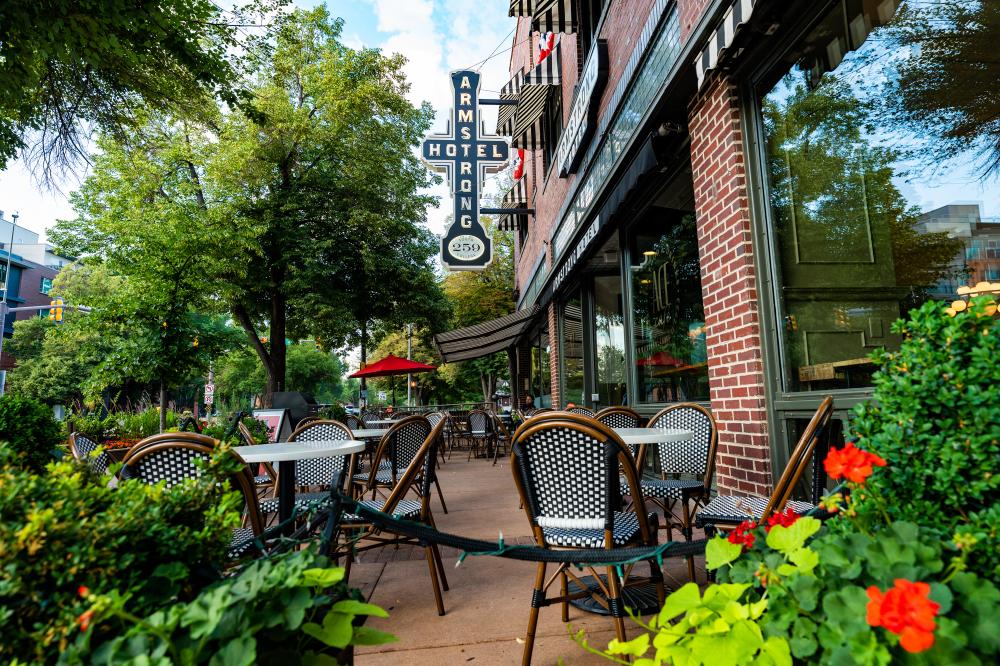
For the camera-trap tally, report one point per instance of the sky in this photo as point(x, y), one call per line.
point(435, 36)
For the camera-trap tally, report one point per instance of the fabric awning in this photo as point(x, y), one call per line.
point(553, 16)
point(738, 14)
point(530, 110)
point(516, 197)
point(486, 338)
point(505, 115)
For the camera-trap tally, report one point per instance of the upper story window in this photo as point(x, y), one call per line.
point(590, 18)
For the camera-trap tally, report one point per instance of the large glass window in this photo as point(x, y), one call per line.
point(541, 372)
point(869, 193)
point(669, 321)
point(571, 350)
point(609, 337)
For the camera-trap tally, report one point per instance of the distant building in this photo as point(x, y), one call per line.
point(34, 265)
point(979, 260)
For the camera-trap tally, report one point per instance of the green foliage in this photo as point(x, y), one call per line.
point(239, 376)
point(30, 430)
point(64, 528)
point(293, 608)
point(935, 417)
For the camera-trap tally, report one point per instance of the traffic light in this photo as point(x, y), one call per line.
point(56, 311)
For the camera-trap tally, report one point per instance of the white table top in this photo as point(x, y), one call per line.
point(635, 436)
point(368, 433)
point(285, 451)
point(385, 423)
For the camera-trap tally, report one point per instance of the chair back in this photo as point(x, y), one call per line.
point(400, 444)
point(696, 456)
point(353, 422)
point(420, 473)
point(367, 417)
point(621, 417)
point(586, 411)
point(89, 452)
point(329, 471)
point(567, 473)
point(169, 457)
point(499, 427)
point(816, 434)
point(435, 418)
point(479, 422)
point(245, 434)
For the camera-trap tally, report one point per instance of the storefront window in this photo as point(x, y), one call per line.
point(609, 336)
point(869, 201)
point(541, 373)
point(669, 330)
point(571, 349)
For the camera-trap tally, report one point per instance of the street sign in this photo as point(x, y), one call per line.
point(382, 396)
point(209, 394)
point(465, 157)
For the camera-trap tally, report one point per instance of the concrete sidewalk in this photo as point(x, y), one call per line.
point(487, 605)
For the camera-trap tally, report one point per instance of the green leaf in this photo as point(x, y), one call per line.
point(353, 607)
point(240, 651)
point(323, 577)
point(788, 539)
point(369, 636)
point(805, 559)
point(317, 659)
point(335, 632)
point(941, 595)
point(720, 552)
point(635, 647)
point(803, 643)
point(777, 652)
point(681, 601)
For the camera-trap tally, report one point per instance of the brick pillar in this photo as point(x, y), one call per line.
point(729, 289)
point(554, 355)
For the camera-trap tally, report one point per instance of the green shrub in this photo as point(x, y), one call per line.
point(336, 411)
point(137, 425)
point(291, 609)
point(31, 430)
point(65, 528)
point(91, 425)
point(935, 418)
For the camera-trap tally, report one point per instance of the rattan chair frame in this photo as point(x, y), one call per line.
point(263, 489)
point(86, 458)
point(480, 438)
point(611, 589)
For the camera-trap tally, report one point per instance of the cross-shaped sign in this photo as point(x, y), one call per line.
point(465, 157)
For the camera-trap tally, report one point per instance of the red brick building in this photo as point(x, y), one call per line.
point(707, 214)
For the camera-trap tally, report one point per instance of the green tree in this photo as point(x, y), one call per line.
point(239, 375)
point(66, 66)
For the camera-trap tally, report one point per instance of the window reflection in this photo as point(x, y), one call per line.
point(571, 348)
point(868, 222)
point(610, 340)
point(669, 331)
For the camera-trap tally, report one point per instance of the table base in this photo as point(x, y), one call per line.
point(639, 595)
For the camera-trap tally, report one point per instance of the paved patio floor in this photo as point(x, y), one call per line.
point(487, 605)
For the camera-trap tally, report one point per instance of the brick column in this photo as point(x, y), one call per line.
point(554, 355)
point(729, 289)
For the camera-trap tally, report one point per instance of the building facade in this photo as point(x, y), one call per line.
point(714, 210)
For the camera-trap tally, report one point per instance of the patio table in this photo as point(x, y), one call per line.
point(639, 594)
point(383, 423)
point(369, 433)
point(285, 454)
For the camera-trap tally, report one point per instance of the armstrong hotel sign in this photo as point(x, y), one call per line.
point(465, 156)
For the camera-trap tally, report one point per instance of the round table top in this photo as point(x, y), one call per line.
point(285, 451)
point(380, 422)
point(368, 433)
point(635, 436)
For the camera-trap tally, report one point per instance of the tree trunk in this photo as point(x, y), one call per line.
point(278, 354)
point(163, 406)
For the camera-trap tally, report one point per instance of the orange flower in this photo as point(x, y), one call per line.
point(786, 519)
point(905, 610)
point(851, 463)
point(83, 591)
point(743, 535)
point(84, 619)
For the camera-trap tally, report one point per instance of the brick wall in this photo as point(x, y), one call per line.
point(729, 289)
point(689, 11)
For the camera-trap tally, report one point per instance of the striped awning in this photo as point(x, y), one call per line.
point(505, 115)
point(486, 338)
point(530, 110)
point(546, 15)
point(738, 14)
point(516, 197)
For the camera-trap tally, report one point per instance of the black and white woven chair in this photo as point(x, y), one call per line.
point(567, 474)
point(353, 422)
point(622, 417)
point(324, 473)
point(480, 432)
point(686, 468)
point(726, 512)
point(90, 453)
point(265, 478)
point(418, 476)
point(170, 458)
point(580, 409)
point(501, 437)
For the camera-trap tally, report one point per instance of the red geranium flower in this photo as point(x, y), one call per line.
point(84, 619)
point(83, 591)
point(851, 463)
point(786, 519)
point(905, 610)
point(743, 535)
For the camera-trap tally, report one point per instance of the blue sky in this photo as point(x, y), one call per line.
point(436, 36)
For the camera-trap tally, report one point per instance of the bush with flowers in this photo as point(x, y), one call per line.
point(905, 566)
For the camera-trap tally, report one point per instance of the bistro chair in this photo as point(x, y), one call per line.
point(170, 458)
point(622, 417)
point(501, 437)
point(480, 432)
point(353, 422)
point(90, 453)
point(266, 481)
point(419, 474)
point(694, 458)
point(580, 409)
point(567, 475)
point(726, 512)
point(328, 472)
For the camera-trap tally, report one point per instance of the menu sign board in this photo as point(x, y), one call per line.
point(465, 157)
point(583, 111)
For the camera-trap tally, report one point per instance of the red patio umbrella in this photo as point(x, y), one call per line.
point(392, 365)
point(659, 359)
